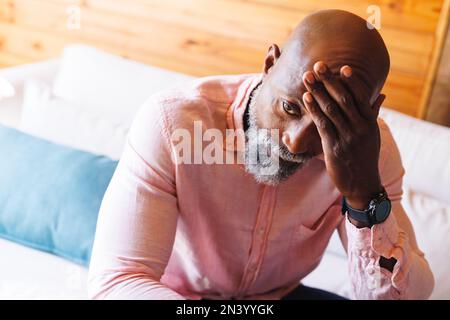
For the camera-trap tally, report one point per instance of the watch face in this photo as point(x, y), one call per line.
point(382, 210)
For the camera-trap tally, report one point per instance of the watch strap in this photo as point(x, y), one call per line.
point(363, 216)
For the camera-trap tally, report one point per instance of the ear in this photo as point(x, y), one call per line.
point(271, 58)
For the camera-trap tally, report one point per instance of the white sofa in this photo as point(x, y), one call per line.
point(88, 79)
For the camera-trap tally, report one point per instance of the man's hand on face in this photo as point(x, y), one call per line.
point(347, 125)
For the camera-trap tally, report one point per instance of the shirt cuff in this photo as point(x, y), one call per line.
point(385, 239)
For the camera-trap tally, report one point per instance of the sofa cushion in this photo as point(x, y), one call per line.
point(431, 221)
point(425, 152)
point(73, 124)
point(92, 77)
point(50, 194)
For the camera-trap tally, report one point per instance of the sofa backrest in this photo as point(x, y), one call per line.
point(425, 152)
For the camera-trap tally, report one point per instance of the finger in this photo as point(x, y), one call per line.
point(357, 90)
point(337, 91)
point(326, 104)
point(323, 124)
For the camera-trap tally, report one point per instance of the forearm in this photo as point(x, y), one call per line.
point(129, 286)
point(135, 234)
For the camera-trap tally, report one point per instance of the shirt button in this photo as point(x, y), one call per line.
point(370, 271)
point(261, 231)
point(252, 268)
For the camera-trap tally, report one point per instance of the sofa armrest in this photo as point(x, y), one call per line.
point(425, 152)
point(10, 108)
point(44, 70)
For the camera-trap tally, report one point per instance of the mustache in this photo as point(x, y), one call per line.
point(283, 153)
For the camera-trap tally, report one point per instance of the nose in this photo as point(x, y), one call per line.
point(295, 139)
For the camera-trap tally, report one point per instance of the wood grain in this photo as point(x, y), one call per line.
point(438, 110)
point(204, 37)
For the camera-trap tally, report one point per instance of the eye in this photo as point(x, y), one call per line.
point(291, 109)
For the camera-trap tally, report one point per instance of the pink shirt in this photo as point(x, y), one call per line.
point(168, 230)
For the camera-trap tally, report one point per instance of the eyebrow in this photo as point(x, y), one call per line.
point(298, 98)
point(291, 96)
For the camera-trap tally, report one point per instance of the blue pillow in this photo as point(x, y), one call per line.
point(50, 194)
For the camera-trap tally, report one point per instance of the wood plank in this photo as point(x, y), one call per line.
point(7, 10)
point(437, 106)
point(405, 54)
point(419, 43)
point(40, 45)
point(398, 88)
point(203, 37)
point(441, 30)
point(29, 43)
point(10, 59)
point(418, 16)
point(403, 92)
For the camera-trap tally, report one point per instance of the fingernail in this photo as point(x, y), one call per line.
point(347, 71)
point(308, 98)
point(321, 68)
point(310, 77)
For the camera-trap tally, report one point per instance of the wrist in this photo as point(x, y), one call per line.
point(376, 211)
point(361, 201)
point(358, 224)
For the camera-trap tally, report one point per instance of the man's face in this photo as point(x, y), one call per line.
point(268, 158)
point(277, 104)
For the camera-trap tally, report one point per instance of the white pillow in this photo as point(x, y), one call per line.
point(80, 126)
point(431, 222)
point(425, 152)
point(92, 77)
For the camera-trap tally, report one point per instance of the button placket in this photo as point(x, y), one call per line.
point(264, 216)
point(261, 231)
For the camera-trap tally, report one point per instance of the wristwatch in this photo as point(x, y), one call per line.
point(378, 210)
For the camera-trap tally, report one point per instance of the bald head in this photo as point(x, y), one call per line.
point(338, 38)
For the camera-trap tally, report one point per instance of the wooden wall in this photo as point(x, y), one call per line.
point(203, 37)
point(439, 104)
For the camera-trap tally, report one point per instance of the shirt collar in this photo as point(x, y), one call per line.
point(235, 113)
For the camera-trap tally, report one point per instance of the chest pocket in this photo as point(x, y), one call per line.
point(310, 241)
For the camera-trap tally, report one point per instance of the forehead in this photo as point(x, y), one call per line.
point(288, 77)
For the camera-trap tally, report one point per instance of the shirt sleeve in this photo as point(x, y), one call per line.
point(411, 277)
point(138, 216)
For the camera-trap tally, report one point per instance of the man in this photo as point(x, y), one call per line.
point(169, 229)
